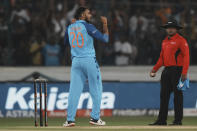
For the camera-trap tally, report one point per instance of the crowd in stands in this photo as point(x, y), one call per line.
point(32, 31)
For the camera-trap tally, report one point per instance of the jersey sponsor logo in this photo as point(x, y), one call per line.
point(94, 31)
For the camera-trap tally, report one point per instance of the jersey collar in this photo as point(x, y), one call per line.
point(173, 37)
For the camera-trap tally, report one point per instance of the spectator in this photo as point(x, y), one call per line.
point(133, 24)
point(7, 55)
point(36, 51)
point(22, 54)
point(51, 53)
point(70, 14)
point(138, 21)
point(123, 51)
point(21, 12)
point(25, 18)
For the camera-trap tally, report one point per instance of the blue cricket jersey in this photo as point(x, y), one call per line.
point(80, 37)
point(51, 55)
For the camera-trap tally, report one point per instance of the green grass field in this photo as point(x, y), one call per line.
point(113, 123)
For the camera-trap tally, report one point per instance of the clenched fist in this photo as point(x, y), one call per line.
point(104, 19)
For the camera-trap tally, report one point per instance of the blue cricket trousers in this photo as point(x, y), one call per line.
point(84, 69)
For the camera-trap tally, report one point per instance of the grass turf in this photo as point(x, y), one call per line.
point(113, 123)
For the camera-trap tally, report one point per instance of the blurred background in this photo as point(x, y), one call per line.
point(32, 45)
point(29, 27)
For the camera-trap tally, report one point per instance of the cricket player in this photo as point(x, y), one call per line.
point(80, 36)
point(175, 57)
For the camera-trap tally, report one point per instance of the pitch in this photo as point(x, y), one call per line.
point(113, 123)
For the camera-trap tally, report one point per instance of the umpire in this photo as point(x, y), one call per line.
point(174, 57)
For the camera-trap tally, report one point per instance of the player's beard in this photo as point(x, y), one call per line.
point(87, 20)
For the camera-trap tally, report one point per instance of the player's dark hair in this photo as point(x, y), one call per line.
point(79, 12)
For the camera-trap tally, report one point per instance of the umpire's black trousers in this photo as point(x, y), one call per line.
point(169, 81)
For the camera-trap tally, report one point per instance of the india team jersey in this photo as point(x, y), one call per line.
point(80, 37)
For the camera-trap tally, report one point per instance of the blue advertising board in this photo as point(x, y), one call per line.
point(116, 95)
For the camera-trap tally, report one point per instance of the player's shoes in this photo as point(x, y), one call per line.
point(158, 123)
point(176, 123)
point(97, 122)
point(69, 124)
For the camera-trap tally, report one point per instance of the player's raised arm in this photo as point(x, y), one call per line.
point(104, 37)
point(105, 28)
